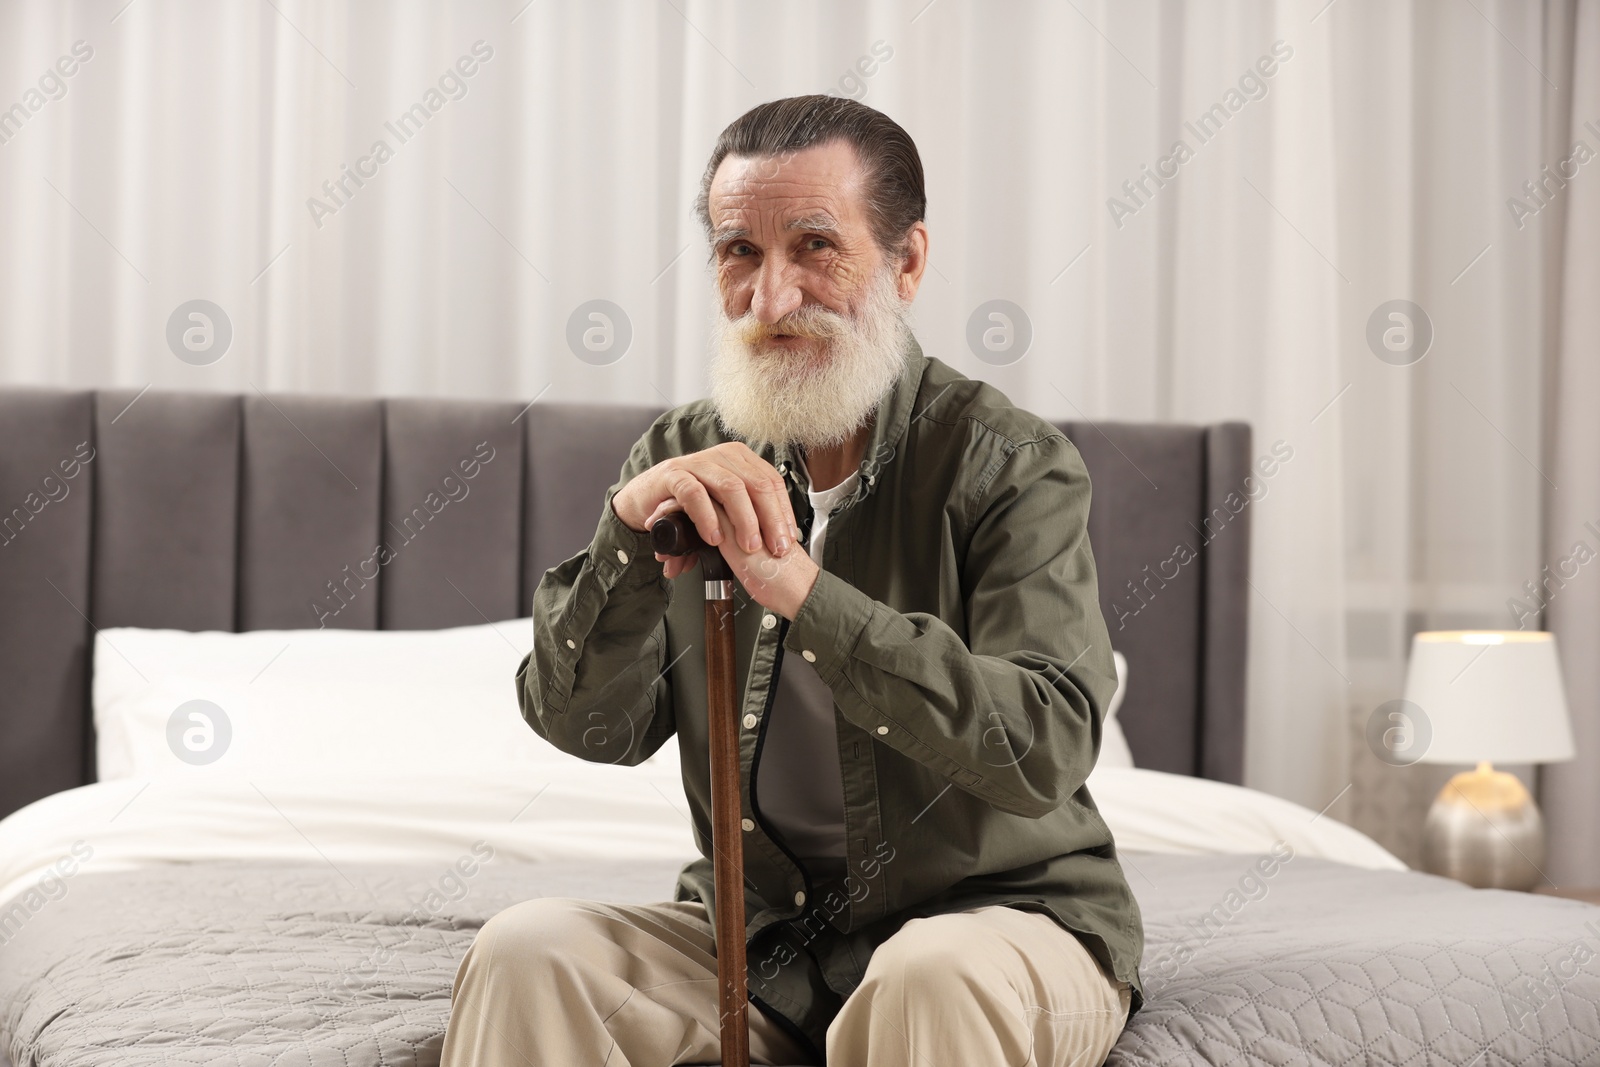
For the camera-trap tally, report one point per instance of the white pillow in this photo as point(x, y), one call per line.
point(315, 702)
point(390, 702)
point(1114, 750)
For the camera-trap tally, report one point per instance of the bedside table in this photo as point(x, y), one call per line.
point(1588, 896)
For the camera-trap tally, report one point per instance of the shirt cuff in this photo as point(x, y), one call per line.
point(621, 555)
point(829, 624)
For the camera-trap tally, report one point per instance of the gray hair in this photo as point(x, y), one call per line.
point(894, 196)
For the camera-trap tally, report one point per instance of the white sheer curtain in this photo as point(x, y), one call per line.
point(1570, 792)
point(1373, 163)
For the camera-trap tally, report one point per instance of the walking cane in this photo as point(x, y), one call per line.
point(675, 535)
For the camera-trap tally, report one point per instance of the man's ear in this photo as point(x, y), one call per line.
point(915, 262)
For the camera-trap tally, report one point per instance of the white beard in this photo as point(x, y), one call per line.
point(816, 396)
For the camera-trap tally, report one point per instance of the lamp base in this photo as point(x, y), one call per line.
point(1485, 830)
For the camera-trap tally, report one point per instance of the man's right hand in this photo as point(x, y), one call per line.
point(750, 490)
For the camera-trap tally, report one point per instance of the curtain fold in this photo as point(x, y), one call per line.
point(1570, 793)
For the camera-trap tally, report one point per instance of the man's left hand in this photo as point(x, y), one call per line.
point(778, 583)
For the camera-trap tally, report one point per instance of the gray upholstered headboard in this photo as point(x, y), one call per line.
point(203, 511)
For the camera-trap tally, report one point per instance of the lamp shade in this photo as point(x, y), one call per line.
point(1492, 695)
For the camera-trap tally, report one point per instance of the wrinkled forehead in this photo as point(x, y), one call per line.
point(816, 189)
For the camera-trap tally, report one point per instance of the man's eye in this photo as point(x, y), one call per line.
point(733, 249)
point(818, 241)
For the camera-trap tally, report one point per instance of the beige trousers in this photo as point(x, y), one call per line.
point(561, 982)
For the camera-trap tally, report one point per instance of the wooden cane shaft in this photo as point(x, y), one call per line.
point(728, 846)
point(675, 535)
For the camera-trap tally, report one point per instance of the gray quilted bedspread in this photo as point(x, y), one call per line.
point(250, 966)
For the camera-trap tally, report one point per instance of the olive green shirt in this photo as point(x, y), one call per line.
point(957, 623)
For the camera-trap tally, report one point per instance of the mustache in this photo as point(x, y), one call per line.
point(812, 321)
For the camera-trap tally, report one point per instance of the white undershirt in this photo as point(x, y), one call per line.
point(824, 504)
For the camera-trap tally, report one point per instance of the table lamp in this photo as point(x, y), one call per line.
point(1488, 695)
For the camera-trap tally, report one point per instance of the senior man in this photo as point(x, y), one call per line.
point(922, 660)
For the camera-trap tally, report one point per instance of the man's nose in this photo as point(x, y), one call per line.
point(777, 291)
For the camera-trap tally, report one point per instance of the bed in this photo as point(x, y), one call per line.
point(304, 898)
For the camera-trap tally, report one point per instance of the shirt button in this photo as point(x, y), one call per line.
point(746, 825)
point(768, 621)
point(809, 656)
point(800, 898)
point(571, 643)
point(623, 556)
point(883, 729)
point(750, 722)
